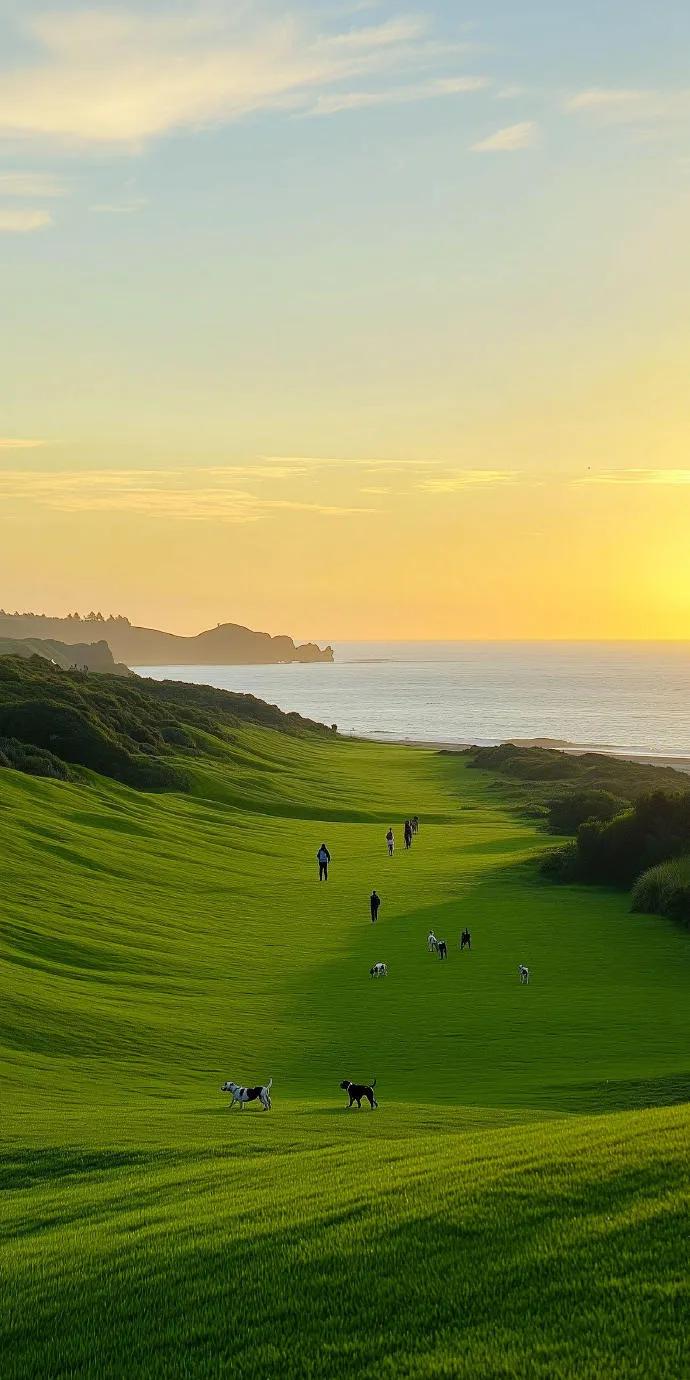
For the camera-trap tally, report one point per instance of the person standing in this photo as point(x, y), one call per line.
point(390, 840)
point(323, 858)
point(408, 834)
point(374, 903)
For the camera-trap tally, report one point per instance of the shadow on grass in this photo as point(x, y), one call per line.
point(28, 1168)
point(634, 1094)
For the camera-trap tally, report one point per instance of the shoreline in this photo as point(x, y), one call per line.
point(650, 759)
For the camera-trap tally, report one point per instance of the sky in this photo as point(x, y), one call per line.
point(347, 319)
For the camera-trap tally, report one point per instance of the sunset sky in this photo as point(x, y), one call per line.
point(348, 319)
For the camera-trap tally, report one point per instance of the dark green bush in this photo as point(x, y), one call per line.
point(665, 890)
point(566, 813)
point(615, 852)
point(32, 761)
point(560, 863)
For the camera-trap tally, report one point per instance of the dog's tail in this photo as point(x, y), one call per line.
point(269, 1084)
point(374, 1084)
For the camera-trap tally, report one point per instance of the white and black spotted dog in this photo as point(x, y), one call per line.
point(379, 970)
point(524, 974)
point(242, 1095)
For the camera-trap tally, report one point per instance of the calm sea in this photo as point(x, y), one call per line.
point(633, 697)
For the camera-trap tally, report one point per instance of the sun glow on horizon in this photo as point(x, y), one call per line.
point(346, 321)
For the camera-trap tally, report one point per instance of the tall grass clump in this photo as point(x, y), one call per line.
point(665, 890)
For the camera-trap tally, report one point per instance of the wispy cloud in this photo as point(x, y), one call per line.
point(621, 105)
point(31, 185)
point(19, 443)
point(397, 95)
point(354, 462)
point(676, 477)
point(520, 136)
point(189, 495)
point(454, 481)
point(121, 78)
point(20, 221)
point(602, 98)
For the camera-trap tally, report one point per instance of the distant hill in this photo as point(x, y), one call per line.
point(229, 644)
point(92, 656)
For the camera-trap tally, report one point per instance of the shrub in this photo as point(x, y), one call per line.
point(32, 761)
point(74, 736)
point(566, 813)
point(665, 890)
point(561, 864)
point(614, 852)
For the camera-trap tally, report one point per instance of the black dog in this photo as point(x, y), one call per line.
point(356, 1091)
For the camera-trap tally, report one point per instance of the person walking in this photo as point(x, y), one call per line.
point(408, 834)
point(390, 840)
point(374, 902)
point(323, 858)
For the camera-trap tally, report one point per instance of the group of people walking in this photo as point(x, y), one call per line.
point(323, 858)
point(410, 828)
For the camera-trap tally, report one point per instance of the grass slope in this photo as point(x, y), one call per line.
point(484, 1222)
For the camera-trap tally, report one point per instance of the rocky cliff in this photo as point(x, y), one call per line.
point(229, 644)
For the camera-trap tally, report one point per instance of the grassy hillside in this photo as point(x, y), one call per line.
point(516, 1205)
point(128, 730)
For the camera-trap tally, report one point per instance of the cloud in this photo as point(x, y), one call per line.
point(120, 78)
point(349, 462)
point(189, 495)
point(23, 222)
point(599, 98)
point(639, 476)
point(398, 95)
point(521, 136)
point(454, 481)
point(19, 443)
point(30, 185)
point(620, 105)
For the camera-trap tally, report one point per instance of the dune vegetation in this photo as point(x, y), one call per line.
point(518, 1204)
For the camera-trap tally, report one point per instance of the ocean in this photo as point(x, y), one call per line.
point(633, 698)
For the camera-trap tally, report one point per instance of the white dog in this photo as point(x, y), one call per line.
point(242, 1095)
point(524, 973)
point(379, 970)
point(432, 942)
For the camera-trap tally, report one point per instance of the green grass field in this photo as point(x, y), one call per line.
point(517, 1206)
